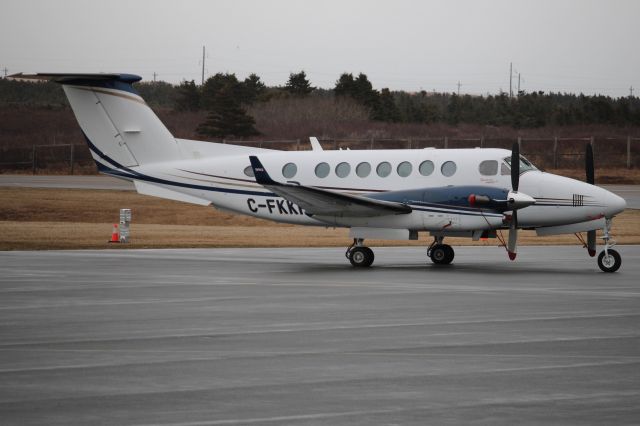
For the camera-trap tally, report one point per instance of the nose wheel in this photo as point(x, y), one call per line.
point(609, 259)
point(359, 255)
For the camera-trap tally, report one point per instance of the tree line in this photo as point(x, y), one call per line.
point(225, 99)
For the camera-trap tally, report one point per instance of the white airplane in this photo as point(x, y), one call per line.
point(381, 194)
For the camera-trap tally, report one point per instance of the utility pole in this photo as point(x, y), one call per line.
point(518, 84)
point(154, 77)
point(510, 80)
point(203, 65)
point(6, 71)
point(630, 88)
point(458, 87)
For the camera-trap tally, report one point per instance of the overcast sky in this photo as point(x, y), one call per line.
point(556, 45)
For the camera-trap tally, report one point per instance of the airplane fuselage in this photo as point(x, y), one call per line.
point(227, 182)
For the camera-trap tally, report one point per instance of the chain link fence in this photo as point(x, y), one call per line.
point(550, 153)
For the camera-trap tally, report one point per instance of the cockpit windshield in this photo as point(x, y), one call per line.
point(525, 165)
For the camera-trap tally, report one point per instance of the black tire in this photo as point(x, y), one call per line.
point(610, 264)
point(361, 257)
point(442, 254)
point(450, 254)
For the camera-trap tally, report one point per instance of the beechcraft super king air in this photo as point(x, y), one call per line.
point(381, 194)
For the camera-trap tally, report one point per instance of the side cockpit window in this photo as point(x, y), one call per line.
point(525, 165)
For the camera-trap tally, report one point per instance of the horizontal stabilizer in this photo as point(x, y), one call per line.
point(75, 78)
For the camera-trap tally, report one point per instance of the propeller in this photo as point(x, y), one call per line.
point(590, 173)
point(512, 244)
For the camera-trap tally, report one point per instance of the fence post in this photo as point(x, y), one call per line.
point(481, 141)
point(371, 147)
point(519, 144)
point(446, 142)
point(33, 160)
point(298, 144)
point(71, 159)
point(628, 151)
point(555, 152)
point(409, 143)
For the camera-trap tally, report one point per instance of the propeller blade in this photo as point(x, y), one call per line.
point(591, 243)
point(515, 166)
point(512, 245)
point(589, 168)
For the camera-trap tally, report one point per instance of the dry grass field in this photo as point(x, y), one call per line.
point(38, 219)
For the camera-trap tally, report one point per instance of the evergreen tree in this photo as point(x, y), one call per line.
point(187, 96)
point(386, 108)
point(252, 89)
point(298, 84)
point(227, 117)
point(218, 83)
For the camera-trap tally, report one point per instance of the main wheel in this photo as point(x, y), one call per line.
point(610, 263)
point(442, 254)
point(361, 257)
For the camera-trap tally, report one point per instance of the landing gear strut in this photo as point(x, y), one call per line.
point(609, 259)
point(440, 254)
point(359, 255)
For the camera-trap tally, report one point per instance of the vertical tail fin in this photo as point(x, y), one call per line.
point(121, 129)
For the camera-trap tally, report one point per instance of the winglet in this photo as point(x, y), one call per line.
point(260, 173)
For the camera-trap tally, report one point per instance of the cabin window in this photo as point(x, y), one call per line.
point(404, 169)
point(448, 168)
point(322, 170)
point(363, 169)
point(289, 170)
point(343, 170)
point(249, 171)
point(383, 169)
point(488, 168)
point(426, 168)
point(505, 170)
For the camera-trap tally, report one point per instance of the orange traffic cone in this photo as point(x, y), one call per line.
point(115, 235)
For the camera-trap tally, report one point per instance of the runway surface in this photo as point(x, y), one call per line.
point(296, 336)
point(631, 193)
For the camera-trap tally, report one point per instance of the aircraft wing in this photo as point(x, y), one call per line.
point(324, 202)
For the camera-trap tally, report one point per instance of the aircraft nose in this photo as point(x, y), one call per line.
point(615, 204)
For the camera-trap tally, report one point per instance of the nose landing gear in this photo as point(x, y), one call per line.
point(609, 259)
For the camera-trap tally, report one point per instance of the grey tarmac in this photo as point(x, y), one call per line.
point(297, 336)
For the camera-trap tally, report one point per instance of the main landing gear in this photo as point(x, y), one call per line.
point(440, 254)
point(609, 259)
point(359, 255)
